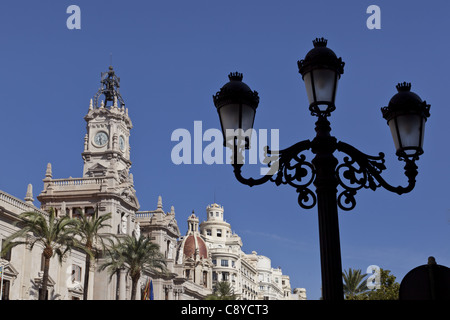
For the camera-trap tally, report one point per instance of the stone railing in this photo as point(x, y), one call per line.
point(7, 200)
point(227, 250)
point(144, 214)
point(76, 181)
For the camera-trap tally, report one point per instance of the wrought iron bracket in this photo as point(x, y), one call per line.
point(358, 170)
point(364, 171)
point(288, 166)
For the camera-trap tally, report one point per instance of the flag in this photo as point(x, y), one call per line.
point(146, 291)
point(151, 290)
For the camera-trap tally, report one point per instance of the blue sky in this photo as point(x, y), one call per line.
point(172, 56)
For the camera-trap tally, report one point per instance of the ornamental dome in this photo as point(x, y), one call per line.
point(193, 245)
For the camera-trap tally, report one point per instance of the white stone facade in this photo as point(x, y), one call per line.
point(209, 251)
point(251, 275)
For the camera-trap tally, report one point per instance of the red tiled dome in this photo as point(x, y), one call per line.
point(190, 245)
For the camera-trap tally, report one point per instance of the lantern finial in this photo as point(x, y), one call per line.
point(320, 42)
point(403, 87)
point(235, 76)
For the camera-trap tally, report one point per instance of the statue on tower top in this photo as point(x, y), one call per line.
point(110, 89)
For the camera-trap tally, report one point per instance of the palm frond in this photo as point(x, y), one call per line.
point(354, 282)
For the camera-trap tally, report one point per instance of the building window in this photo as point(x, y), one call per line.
point(76, 213)
point(214, 261)
point(224, 263)
point(167, 249)
point(5, 290)
point(208, 232)
point(233, 264)
point(89, 211)
point(76, 273)
point(42, 262)
point(205, 279)
point(219, 232)
point(214, 276)
point(7, 255)
point(225, 276)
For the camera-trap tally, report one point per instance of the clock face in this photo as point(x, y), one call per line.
point(101, 138)
point(122, 143)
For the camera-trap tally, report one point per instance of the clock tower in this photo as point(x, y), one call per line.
point(106, 143)
point(107, 185)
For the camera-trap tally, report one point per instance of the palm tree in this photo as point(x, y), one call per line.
point(55, 235)
point(88, 229)
point(135, 255)
point(222, 291)
point(354, 283)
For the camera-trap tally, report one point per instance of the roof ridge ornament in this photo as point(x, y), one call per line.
point(48, 172)
point(29, 195)
point(159, 205)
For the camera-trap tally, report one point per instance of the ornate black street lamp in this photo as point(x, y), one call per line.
point(406, 115)
point(236, 106)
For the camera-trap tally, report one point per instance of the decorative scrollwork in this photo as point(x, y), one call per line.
point(363, 171)
point(357, 171)
point(346, 200)
point(298, 173)
point(290, 167)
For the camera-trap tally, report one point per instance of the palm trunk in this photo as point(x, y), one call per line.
point(133, 289)
point(86, 276)
point(134, 284)
point(43, 292)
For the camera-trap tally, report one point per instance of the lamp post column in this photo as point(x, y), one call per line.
point(323, 146)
